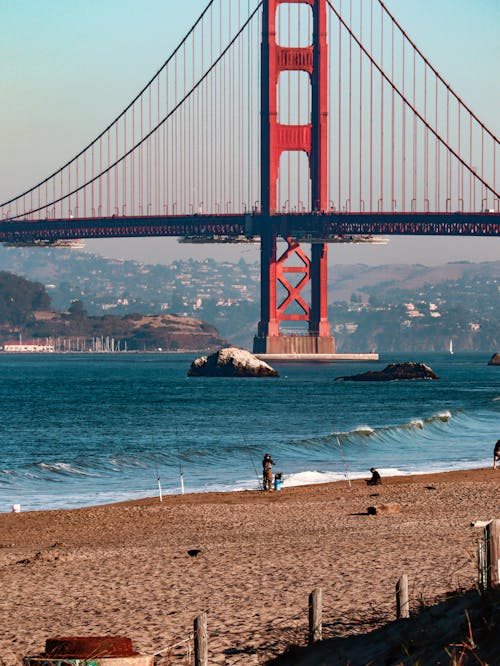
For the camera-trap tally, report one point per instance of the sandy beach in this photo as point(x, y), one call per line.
point(124, 569)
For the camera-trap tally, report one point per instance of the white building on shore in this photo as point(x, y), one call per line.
point(27, 347)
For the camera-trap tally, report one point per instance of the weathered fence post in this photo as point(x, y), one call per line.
point(200, 640)
point(493, 554)
point(402, 599)
point(315, 616)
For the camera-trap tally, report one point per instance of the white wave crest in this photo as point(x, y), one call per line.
point(311, 477)
point(362, 430)
point(443, 416)
point(63, 468)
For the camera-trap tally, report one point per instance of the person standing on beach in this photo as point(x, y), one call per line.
point(496, 454)
point(267, 472)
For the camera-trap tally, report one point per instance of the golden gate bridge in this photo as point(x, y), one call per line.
point(306, 121)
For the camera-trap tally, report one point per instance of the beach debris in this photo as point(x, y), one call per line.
point(385, 509)
point(494, 360)
point(430, 487)
point(89, 651)
point(47, 555)
point(194, 552)
point(231, 362)
point(480, 523)
point(394, 372)
point(89, 646)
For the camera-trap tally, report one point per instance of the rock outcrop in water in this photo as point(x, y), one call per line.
point(494, 360)
point(231, 362)
point(395, 371)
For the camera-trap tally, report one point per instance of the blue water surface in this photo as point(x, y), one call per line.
point(88, 429)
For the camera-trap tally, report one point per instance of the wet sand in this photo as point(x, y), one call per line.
point(124, 569)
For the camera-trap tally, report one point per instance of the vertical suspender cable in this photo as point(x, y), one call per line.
point(116, 169)
point(437, 194)
point(348, 203)
point(460, 179)
point(414, 147)
point(426, 147)
point(381, 198)
point(360, 183)
point(392, 123)
point(403, 133)
point(448, 166)
point(371, 108)
point(339, 165)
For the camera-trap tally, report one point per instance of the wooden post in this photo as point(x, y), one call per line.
point(200, 640)
point(493, 554)
point(402, 599)
point(315, 616)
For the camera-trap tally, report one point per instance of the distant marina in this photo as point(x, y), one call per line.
point(60, 345)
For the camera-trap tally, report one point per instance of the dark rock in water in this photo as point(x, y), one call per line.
point(231, 362)
point(395, 371)
point(494, 360)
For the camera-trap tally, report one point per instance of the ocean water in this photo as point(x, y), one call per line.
point(78, 430)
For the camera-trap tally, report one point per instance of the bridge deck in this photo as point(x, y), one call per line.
point(306, 227)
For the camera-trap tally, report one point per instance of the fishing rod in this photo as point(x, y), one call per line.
point(157, 470)
point(181, 475)
point(346, 473)
point(158, 479)
point(252, 461)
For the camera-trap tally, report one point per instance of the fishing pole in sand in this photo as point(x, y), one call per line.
point(346, 473)
point(157, 470)
point(181, 475)
point(158, 479)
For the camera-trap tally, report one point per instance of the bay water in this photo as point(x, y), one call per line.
point(82, 429)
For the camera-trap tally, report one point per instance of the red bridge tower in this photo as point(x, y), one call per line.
point(311, 138)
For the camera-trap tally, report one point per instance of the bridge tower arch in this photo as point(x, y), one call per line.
point(312, 139)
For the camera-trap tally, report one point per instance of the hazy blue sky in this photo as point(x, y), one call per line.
point(68, 67)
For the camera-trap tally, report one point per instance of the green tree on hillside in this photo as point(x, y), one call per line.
point(19, 298)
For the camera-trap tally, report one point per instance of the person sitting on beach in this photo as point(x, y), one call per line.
point(267, 472)
point(278, 481)
point(376, 479)
point(496, 454)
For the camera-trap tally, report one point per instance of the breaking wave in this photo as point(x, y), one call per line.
point(64, 469)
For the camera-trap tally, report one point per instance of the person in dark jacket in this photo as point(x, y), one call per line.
point(375, 480)
point(496, 454)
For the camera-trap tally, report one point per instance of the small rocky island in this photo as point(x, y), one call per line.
point(231, 362)
point(395, 372)
point(494, 360)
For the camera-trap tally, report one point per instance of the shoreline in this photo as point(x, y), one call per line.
point(355, 478)
point(124, 568)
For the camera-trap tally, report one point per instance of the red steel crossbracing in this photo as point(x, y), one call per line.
point(310, 138)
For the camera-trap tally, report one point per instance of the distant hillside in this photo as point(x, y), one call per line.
point(25, 312)
point(397, 307)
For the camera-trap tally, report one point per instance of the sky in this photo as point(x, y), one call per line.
point(68, 68)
